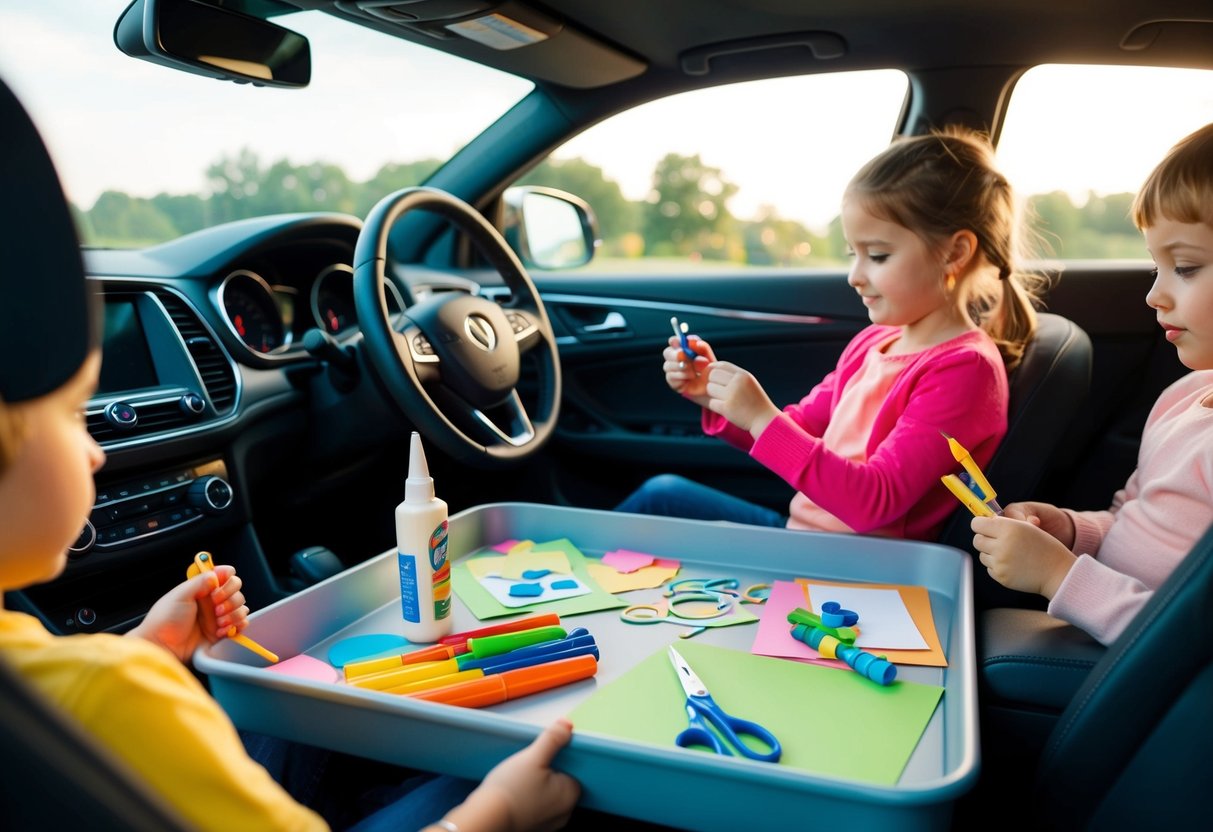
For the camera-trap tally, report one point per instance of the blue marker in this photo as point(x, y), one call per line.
point(680, 330)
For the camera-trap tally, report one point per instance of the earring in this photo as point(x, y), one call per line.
point(950, 282)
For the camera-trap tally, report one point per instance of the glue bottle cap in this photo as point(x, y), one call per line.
point(419, 487)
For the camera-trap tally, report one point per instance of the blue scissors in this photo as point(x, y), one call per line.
point(701, 706)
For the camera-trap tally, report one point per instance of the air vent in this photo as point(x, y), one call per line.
point(152, 416)
point(217, 374)
point(100, 428)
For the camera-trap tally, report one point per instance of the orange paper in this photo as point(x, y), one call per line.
point(918, 603)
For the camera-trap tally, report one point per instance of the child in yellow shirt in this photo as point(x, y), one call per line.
point(134, 693)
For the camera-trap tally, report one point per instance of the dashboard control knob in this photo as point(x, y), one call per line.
point(192, 404)
point(86, 616)
point(84, 543)
point(121, 415)
point(211, 494)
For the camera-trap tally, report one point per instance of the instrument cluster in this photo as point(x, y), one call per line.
point(270, 316)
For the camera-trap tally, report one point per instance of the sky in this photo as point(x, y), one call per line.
point(116, 123)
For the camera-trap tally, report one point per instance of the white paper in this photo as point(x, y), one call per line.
point(499, 588)
point(884, 621)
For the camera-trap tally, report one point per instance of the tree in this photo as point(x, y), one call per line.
point(686, 210)
point(616, 215)
point(391, 178)
point(118, 219)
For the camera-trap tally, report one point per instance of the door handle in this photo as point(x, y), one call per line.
point(613, 322)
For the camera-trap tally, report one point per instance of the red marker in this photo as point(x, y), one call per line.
point(547, 619)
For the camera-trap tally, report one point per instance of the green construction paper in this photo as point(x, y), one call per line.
point(484, 606)
point(830, 721)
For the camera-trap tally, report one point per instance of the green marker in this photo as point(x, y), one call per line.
point(486, 646)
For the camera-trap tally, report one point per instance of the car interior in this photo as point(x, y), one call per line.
point(281, 442)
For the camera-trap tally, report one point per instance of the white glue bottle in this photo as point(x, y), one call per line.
point(421, 545)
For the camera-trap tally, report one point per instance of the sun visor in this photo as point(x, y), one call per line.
point(511, 36)
point(48, 323)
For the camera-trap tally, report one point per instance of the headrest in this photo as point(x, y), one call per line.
point(48, 323)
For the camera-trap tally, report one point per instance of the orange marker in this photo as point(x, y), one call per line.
point(203, 563)
point(512, 684)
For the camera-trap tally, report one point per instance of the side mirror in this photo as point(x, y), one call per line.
point(549, 229)
point(215, 42)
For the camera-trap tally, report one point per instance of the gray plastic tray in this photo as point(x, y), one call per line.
point(665, 786)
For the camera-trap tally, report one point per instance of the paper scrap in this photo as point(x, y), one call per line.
point(648, 577)
point(306, 667)
point(519, 561)
point(625, 560)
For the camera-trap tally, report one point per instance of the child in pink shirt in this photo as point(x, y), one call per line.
point(1099, 568)
point(929, 222)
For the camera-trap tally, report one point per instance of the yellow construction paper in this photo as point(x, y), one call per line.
point(647, 577)
point(524, 558)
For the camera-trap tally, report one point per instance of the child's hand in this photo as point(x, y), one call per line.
point(202, 607)
point(737, 396)
point(685, 374)
point(1049, 517)
point(1021, 556)
point(522, 791)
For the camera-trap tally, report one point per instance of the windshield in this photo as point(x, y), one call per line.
point(147, 153)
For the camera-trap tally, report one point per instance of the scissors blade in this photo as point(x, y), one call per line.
point(690, 682)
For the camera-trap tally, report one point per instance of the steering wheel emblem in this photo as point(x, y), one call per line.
point(480, 332)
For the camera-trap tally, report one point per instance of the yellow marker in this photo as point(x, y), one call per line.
point(404, 675)
point(966, 496)
point(437, 682)
point(203, 563)
point(979, 479)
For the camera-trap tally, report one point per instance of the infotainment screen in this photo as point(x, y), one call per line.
point(126, 362)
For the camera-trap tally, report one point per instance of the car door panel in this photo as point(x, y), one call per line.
point(620, 423)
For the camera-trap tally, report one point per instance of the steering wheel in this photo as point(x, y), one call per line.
point(452, 362)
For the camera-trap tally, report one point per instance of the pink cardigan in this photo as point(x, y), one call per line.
point(1126, 552)
point(959, 386)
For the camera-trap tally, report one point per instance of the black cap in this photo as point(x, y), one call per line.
point(48, 321)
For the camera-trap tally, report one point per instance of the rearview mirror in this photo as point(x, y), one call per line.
point(217, 42)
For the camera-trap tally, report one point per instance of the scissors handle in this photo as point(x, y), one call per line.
point(731, 727)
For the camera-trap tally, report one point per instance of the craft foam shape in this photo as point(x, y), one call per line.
point(305, 667)
point(526, 590)
point(535, 574)
point(565, 584)
point(372, 646)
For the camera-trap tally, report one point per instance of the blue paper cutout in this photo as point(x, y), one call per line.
point(526, 590)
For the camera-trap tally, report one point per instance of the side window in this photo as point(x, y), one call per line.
point(1078, 141)
point(744, 175)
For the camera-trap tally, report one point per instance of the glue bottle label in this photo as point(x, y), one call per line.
point(442, 572)
point(409, 602)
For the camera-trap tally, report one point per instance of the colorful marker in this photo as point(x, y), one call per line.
point(546, 651)
point(529, 623)
point(981, 486)
point(680, 330)
point(878, 669)
point(437, 653)
point(203, 563)
point(513, 684)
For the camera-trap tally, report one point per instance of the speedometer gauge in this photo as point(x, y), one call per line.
point(250, 311)
point(333, 305)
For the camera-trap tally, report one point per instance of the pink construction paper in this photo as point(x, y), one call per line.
point(505, 546)
point(305, 667)
point(774, 636)
point(625, 560)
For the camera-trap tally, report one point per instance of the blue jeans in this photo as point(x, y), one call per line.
point(354, 793)
point(670, 495)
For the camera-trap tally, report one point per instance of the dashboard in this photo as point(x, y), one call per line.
point(209, 403)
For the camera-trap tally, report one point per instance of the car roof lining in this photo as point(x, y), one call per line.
point(595, 44)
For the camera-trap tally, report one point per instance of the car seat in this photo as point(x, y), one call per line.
point(1046, 390)
point(1130, 749)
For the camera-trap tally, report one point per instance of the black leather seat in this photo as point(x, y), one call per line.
point(1130, 751)
point(1047, 389)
